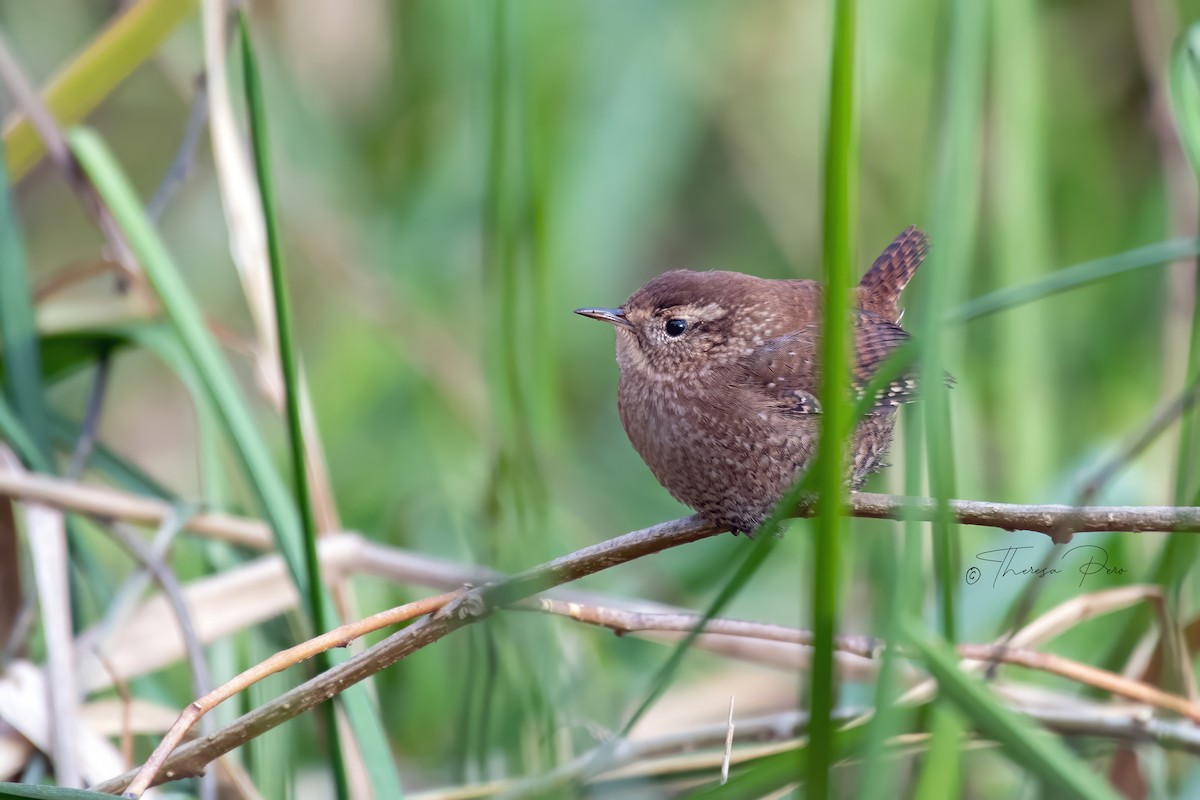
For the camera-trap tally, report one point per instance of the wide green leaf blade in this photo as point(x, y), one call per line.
point(214, 373)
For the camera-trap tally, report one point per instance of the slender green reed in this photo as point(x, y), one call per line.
point(317, 598)
point(1073, 277)
point(839, 212)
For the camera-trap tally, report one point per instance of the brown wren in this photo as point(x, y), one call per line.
point(720, 374)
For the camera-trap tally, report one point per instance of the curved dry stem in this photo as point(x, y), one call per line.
point(467, 608)
point(338, 637)
point(628, 621)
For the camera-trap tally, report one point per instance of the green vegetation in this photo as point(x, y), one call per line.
point(416, 195)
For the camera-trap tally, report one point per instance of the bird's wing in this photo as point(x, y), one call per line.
point(875, 340)
point(786, 370)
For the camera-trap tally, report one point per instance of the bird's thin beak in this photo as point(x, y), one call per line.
point(614, 315)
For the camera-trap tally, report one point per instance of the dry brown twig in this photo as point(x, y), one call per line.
point(60, 153)
point(1045, 627)
point(456, 610)
point(462, 610)
point(656, 754)
point(169, 585)
point(625, 621)
point(338, 637)
point(126, 699)
point(1047, 519)
point(113, 503)
point(622, 621)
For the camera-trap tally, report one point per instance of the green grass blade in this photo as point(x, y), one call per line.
point(841, 175)
point(763, 778)
point(1073, 277)
point(907, 597)
point(1027, 745)
point(258, 136)
point(317, 599)
point(64, 354)
point(757, 556)
point(953, 211)
point(1185, 104)
point(104, 461)
point(1180, 551)
point(188, 323)
point(18, 330)
point(15, 434)
point(941, 768)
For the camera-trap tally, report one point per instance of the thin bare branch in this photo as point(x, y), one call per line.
point(48, 544)
point(71, 275)
point(185, 156)
point(60, 153)
point(728, 746)
point(623, 621)
point(169, 586)
point(126, 699)
point(47, 539)
point(468, 608)
point(165, 578)
point(1075, 610)
point(90, 428)
point(117, 504)
point(338, 637)
point(1056, 521)
point(109, 503)
point(1124, 724)
point(1083, 673)
point(1161, 420)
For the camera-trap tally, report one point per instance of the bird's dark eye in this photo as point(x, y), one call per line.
point(676, 327)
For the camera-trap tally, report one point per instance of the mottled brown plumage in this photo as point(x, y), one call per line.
point(720, 375)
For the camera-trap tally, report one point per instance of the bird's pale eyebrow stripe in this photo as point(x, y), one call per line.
point(708, 312)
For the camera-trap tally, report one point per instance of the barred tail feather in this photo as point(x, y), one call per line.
point(879, 290)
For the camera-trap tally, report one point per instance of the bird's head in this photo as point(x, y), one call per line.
point(683, 324)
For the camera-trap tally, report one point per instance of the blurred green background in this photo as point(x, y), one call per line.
point(455, 177)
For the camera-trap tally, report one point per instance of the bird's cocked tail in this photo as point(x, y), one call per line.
point(879, 290)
